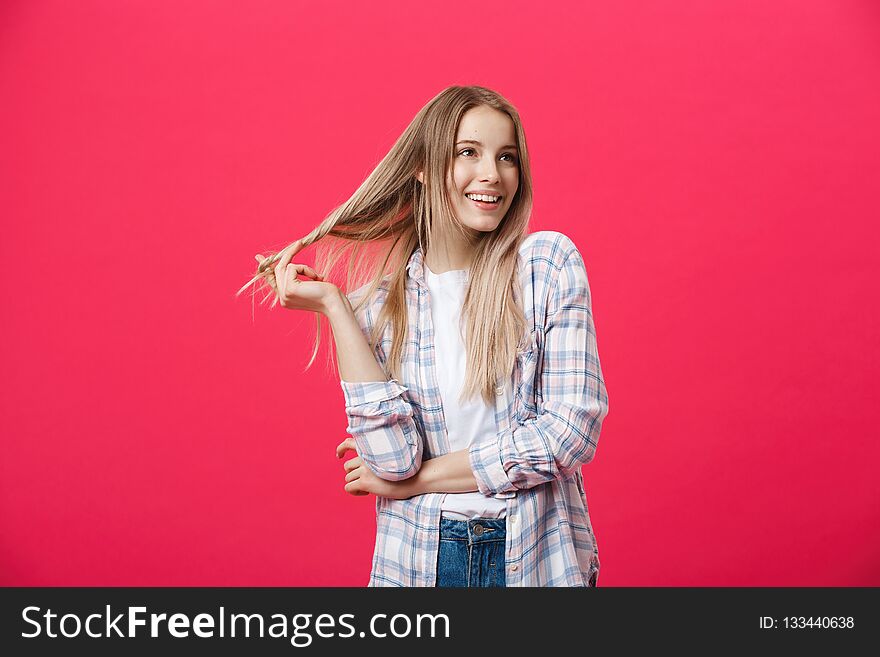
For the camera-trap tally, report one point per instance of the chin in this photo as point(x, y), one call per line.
point(483, 227)
point(484, 224)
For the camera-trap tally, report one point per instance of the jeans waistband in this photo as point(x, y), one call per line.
point(474, 531)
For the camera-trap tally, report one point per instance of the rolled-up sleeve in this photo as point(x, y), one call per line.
point(380, 419)
point(565, 432)
point(381, 422)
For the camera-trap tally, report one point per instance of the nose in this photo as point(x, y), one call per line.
point(488, 171)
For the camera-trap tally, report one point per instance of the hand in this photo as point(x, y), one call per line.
point(295, 294)
point(363, 481)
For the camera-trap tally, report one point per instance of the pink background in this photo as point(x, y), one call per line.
point(716, 163)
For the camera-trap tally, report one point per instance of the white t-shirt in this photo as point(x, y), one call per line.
point(474, 421)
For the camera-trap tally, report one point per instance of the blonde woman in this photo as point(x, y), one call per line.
point(468, 358)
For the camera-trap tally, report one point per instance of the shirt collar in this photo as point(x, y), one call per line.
point(416, 268)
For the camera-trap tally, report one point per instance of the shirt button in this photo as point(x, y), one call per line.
point(513, 520)
point(514, 567)
point(499, 390)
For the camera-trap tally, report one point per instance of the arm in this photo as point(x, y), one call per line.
point(450, 473)
point(564, 434)
point(357, 362)
point(379, 418)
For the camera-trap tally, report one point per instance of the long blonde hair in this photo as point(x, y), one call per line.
point(396, 213)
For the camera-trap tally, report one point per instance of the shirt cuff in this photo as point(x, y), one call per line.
point(369, 392)
point(492, 480)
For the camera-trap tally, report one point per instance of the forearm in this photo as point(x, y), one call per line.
point(380, 420)
point(355, 358)
point(450, 473)
point(562, 434)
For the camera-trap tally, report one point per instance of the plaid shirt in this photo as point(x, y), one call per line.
point(548, 415)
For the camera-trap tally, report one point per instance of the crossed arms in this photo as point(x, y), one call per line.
point(551, 446)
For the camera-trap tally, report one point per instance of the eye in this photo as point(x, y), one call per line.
point(512, 160)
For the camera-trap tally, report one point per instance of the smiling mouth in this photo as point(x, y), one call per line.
point(486, 205)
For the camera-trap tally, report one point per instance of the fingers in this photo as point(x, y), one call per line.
point(289, 252)
point(280, 279)
point(344, 446)
point(352, 489)
point(352, 468)
point(284, 269)
point(286, 278)
point(260, 259)
point(281, 267)
point(303, 270)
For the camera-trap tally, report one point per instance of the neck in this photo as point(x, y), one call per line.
point(449, 252)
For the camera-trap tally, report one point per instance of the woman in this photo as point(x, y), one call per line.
point(468, 361)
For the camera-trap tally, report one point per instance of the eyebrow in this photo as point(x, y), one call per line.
point(472, 141)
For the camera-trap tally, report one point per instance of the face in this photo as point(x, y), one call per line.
point(485, 163)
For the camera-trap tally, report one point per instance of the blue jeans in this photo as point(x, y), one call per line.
point(471, 552)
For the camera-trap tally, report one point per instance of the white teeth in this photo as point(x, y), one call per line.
point(483, 197)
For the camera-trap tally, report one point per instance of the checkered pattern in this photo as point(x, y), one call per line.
point(549, 415)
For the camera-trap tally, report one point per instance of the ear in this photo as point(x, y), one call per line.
point(420, 177)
